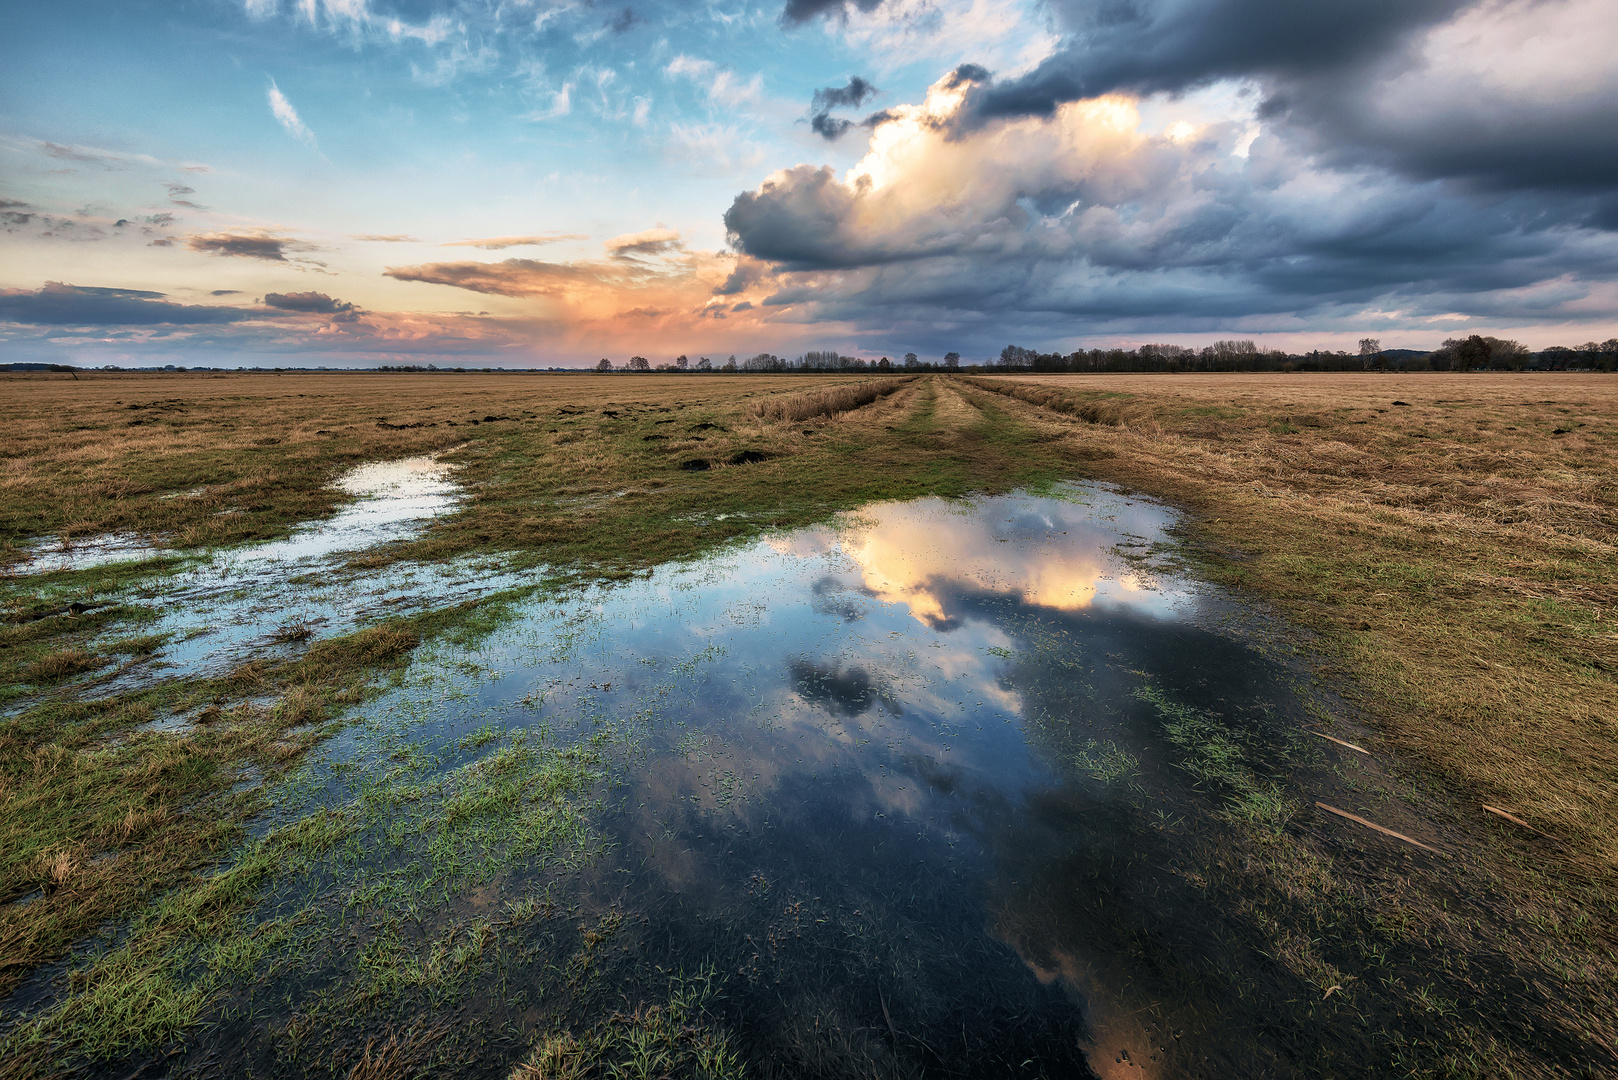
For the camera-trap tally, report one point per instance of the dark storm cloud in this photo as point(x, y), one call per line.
point(805, 221)
point(830, 128)
point(1154, 231)
point(798, 12)
point(57, 304)
point(317, 303)
point(1346, 76)
point(821, 122)
point(858, 91)
point(1494, 141)
point(1151, 45)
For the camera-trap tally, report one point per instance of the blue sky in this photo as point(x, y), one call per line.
point(360, 181)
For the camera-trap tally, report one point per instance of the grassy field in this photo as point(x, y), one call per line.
point(1448, 539)
point(1455, 536)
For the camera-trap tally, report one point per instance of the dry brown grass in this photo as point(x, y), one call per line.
point(1460, 550)
point(54, 869)
point(397, 1057)
point(830, 401)
point(125, 452)
point(59, 665)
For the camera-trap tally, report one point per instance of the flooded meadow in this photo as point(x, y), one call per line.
point(944, 787)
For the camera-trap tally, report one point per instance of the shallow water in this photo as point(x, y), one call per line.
point(392, 498)
point(260, 601)
point(928, 791)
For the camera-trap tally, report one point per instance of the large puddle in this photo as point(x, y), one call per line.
point(933, 791)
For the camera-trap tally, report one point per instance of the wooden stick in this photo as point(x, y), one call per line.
point(1515, 820)
point(1339, 742)
point(1378, 828)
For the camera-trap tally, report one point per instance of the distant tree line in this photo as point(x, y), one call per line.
point(813, 361)
point(1474, 353)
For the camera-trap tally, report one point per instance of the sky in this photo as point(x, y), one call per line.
point(520, 183)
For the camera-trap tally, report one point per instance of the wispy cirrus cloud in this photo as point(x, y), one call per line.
point(111, 160)
point(288, 117)
point(657, 241)
point(500, 243)
point(722, 85)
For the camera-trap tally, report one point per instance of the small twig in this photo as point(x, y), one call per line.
point(1339, 742)
point(1378, 828)
point(1515, 820)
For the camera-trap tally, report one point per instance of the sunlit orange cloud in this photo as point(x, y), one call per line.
point(1112, 1029)
point(650, 295)
point(904, 557)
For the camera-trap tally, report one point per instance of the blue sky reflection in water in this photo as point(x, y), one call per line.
point(912, 786)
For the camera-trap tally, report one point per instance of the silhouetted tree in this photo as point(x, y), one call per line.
point(1472, 353)
point(1371, 352)
point(639, 363)
point(604, 364)
point(952, 359)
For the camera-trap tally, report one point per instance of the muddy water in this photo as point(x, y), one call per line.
point(927, 792)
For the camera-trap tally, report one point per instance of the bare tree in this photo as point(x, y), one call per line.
point(639, 363)
point(911, 360)
point(952, 359)
point(604, 365)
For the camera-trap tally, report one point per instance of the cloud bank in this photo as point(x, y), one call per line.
point(1381, 164)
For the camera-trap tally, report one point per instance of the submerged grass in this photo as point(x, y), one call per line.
point(676, 1039)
